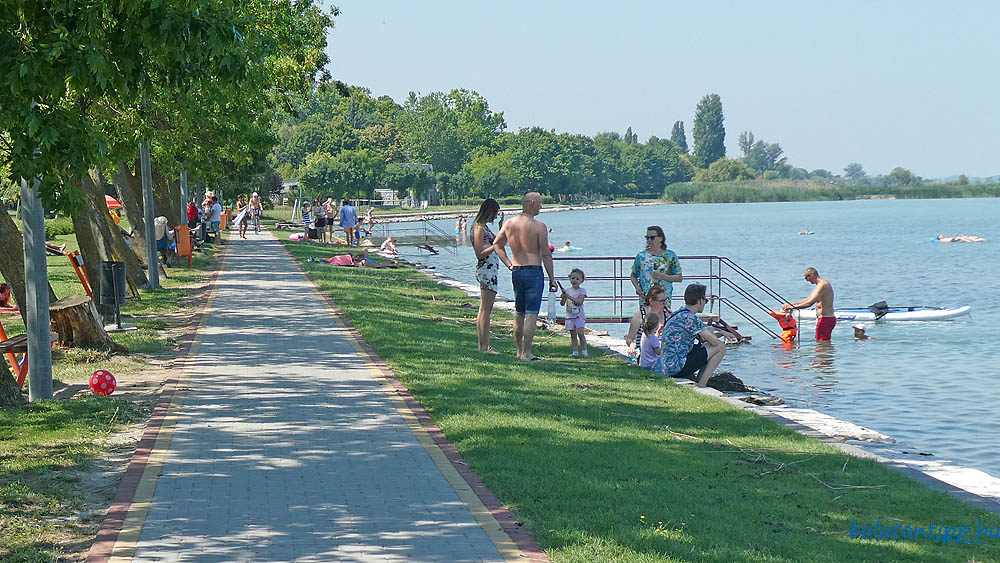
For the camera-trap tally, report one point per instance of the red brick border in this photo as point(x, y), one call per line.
point(521, 538)
point(100, 551)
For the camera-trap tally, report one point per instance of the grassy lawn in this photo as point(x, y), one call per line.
point(48, 450)
point(602, 462)
point(45, 450)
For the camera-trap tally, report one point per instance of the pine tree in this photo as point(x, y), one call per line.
point(678, 136)
point(709, 131)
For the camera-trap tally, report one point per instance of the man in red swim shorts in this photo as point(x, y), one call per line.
point(822, 296)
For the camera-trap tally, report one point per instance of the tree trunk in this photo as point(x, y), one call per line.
point(10, 393)
point(110, 232)
point(91, 246)
point(78, 324)
point(167, 197)
point(12, 261)
point(130, 191)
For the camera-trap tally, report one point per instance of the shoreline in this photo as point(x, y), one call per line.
point(469, 213)
point(966, 483)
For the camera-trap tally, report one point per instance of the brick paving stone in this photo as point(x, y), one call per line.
point(286, 448)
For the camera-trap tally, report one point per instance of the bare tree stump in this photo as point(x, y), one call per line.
point(76, 320)
point(10, 393)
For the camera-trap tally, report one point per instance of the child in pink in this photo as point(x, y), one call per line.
point(576, 319)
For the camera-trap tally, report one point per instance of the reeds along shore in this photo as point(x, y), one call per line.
point(759, 191)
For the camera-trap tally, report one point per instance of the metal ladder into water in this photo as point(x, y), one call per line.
point(718, 273)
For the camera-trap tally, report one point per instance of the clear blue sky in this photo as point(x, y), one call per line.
point(886, 84)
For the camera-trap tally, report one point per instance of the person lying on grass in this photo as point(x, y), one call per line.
point(359, 259)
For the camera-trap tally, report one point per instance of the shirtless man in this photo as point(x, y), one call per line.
point(256, 208)
point(529, 244)
point(822, 296)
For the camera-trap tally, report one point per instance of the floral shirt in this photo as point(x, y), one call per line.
point(645, 264)
point(678, 339)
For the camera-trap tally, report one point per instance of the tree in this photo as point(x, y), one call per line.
point(763, 157)
point(854, 172)
point(746, 143)
point(962, 180)
point(902, 176)
point(444, 129)
point(493, 174)
point(401, 178)
point(709, 131)
point(349, 173)
point(678, 136)
point(726, 170)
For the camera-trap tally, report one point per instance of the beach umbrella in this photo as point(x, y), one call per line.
point(112, 202)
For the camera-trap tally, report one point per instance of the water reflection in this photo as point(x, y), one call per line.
point(808, 368)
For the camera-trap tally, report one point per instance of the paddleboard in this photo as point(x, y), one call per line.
point(894, 314)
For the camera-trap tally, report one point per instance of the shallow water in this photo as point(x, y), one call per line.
point(930, 385)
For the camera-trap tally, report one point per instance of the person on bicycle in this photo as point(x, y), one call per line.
point(256, 207)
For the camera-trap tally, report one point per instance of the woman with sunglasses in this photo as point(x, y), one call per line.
point(655, 265)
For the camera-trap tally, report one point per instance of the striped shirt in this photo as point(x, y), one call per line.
point(305, 217)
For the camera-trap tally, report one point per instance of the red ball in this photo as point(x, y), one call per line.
point(103, 382)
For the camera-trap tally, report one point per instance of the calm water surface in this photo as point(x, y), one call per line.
point(932, 385)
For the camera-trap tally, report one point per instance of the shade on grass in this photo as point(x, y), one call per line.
point(625, 466)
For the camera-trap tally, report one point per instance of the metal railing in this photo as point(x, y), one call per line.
point(413, 233)
point(743, 290)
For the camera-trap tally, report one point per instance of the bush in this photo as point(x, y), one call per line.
point(56, 227)
point(726, 170)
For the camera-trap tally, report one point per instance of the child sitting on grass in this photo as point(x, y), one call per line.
point(649, 349)
point(576, 319)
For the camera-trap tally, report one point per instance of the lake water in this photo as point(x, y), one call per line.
point(931, 385)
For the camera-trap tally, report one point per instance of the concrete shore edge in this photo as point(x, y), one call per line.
point(965, 483)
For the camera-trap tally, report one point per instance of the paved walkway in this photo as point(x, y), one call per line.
point(286, 447)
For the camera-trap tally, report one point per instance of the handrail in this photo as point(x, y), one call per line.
point(741, 282)
point(426, 232)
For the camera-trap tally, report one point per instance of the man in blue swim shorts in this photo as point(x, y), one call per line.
point(529, 246)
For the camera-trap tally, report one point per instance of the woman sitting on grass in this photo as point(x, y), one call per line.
point(657, 301)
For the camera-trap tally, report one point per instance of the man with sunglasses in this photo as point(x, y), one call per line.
point(529, 245)
point(822, 296)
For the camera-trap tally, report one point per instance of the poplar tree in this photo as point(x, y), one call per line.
point(709, 131)
point(678, 136)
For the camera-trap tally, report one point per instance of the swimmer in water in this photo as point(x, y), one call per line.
point(960, 238)
point(859, 332)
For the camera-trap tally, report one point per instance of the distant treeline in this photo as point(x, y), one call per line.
point(815, 190)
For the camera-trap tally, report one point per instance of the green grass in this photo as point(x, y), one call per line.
point(44, 447)
point(146, 313)
point(602, 462)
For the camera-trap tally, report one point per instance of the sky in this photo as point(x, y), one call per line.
point(885, 84)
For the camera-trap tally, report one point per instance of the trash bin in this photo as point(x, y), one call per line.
point(112, 282)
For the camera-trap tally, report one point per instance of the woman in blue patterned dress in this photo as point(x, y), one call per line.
point(655, 265)
point(487, 268)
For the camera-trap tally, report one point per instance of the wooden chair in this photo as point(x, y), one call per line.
point(184, 247)
point(18, 346)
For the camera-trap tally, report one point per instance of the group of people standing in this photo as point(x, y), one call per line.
point(319, 220)
point(654, 272)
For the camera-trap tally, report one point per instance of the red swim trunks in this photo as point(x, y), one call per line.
point(824, 327)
